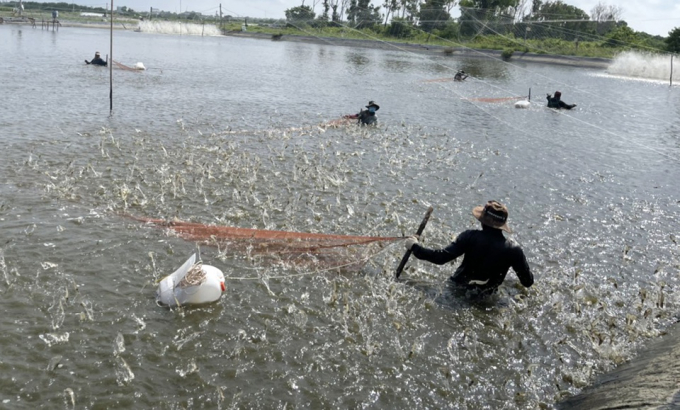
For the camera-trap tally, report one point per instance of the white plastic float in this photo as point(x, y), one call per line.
point(522, 104)
point(140, 66)
point(192, 284)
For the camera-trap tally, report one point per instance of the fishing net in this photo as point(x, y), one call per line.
point(312, 250)
point(137, 67)
point(194, 277)
point(496, 100)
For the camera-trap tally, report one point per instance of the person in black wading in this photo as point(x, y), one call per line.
point(97, 60)
point(488, 253)
point(556, 101)
point(367, 116)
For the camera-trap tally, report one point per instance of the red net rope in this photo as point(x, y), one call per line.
point(328, 250)
point(495, 100)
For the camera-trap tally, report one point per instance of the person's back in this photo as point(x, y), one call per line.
point(488, 254)
point(488, 257)
point(97, 60)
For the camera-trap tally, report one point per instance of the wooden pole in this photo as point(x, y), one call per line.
point(671, 70)
point(419, 232)
point(111, 63)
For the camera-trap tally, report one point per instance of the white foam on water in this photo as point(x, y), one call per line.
point(645, 66)
point(176, 27)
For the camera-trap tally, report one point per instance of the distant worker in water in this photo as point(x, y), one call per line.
point(488, 254)
point(97, 60)
point(460, 76)
point(556, 101)
point(367, 116)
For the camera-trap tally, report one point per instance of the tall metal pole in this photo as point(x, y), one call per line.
point(111, 64)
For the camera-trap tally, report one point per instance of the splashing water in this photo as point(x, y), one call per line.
point(175, 27)
point(644, 65)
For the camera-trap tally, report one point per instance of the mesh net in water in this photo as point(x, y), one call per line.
point(320, 251)
point(495, 100)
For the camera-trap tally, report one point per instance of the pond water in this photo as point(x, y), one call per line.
point(234, 131)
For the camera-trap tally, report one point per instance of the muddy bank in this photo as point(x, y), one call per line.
point(650, 380)
point(433, 49)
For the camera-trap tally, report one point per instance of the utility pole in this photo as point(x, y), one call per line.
point(220, 15)
point(111, 64)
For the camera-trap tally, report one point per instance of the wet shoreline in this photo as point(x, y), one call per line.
point(564, 60)
point(589, 62)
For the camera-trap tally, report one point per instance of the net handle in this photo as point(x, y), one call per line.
point(407, 255)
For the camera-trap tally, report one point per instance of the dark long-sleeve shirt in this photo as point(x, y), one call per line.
point(556, 102)
point(366, 117)
point(488, 257)
point(96, 61)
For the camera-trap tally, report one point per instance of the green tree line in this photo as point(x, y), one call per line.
point(519, 22)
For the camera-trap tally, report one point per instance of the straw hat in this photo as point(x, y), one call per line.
point(493, 214)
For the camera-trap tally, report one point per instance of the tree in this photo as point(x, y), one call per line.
point(558, 18)
point(622, 36)
point(363, 14)
point(433, 15)
point(326, 8)
point(300, 14)
point(606, 17)
point(475, 15)
point(400, 28)
point(673, 41)
point(390, 6)
point(409, 9)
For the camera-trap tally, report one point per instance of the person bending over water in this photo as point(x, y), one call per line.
point(556, 101)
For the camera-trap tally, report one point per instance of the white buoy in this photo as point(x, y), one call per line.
point(522, 104)
point(192, 284)
point(140, 66)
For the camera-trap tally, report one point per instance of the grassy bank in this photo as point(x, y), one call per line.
point(509, 45)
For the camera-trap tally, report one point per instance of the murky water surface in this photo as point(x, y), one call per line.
point(234, 132)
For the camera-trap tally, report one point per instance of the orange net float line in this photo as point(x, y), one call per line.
point(440, 80)
point(123, 66)
point(495, 100)
point(287, 246)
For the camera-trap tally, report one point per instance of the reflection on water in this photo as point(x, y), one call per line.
point(245, 142)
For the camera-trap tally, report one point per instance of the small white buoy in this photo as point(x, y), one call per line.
point(192, 284)
point(140, 66)
point(522, 104)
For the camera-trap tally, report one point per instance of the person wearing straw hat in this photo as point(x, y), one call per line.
point(488, 253)
point(367, 116)
point(97, 60)
point(556, 101)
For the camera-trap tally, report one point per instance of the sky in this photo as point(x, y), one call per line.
point(656, 17)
